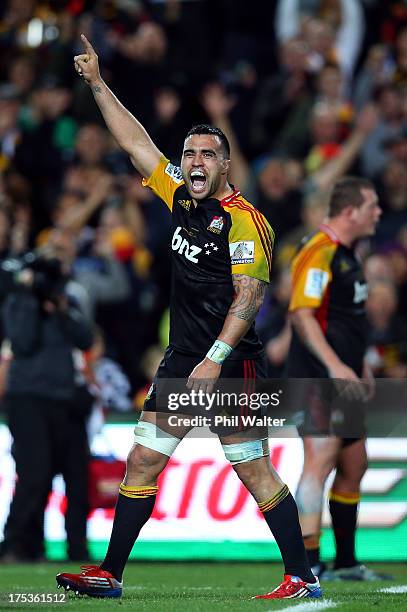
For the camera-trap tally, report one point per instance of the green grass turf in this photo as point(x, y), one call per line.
point(195, 587)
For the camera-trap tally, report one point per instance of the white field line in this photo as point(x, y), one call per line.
point(402, 588)
point(309, 606)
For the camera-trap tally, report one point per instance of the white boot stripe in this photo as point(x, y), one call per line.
point(312, 606)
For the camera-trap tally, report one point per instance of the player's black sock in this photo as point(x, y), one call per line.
point(344, 508)
point(281, 514)
point(133, 509)
point(311, 543)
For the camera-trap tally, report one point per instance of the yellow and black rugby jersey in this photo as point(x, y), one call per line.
point(328, 277)
point(210, 242)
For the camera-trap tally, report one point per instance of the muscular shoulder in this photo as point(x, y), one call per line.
point(318, 248)
point(250, 239)
point(312, 271)
point(165, 181)
point(243, 213)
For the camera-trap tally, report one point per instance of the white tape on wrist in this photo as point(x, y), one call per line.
point(219, 351)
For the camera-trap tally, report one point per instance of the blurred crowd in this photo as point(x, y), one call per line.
point(306, 90)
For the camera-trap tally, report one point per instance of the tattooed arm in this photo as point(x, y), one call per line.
point(249, 295)
point(128, 132)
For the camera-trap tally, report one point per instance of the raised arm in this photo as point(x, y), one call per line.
point(129, 132)
point(337, 167)
point(75, 218)
point(218, 105)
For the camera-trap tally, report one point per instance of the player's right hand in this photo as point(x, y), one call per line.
point(347, 382)
point(87, 64)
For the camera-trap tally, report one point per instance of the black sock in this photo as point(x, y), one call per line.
point(281, 515)
point(344, 509)
point(133, 509)
point(311, 543)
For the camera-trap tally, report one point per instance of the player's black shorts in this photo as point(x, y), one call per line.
point(237, 377)
point(323, 410)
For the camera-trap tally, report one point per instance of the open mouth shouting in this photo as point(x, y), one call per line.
point(198, 182)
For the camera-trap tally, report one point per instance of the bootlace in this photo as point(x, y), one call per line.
point(85, 569)
point(287, 586)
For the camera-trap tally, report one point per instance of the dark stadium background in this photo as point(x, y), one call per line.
point(302, 104)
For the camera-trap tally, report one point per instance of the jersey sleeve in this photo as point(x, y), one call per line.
point(250, 244)
point(311, 275)
point(165, 180)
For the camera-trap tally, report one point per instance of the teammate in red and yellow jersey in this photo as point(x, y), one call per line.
point(327, 312)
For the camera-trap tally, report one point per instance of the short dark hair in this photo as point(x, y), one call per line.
point(348, 192)
point(204, 128)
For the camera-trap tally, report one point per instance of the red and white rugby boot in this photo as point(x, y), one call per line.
point(92, 581)
point(293, 587)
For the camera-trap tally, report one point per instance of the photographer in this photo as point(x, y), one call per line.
point(45, 420)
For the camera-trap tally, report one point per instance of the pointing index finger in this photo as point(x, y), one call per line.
point(88, 46)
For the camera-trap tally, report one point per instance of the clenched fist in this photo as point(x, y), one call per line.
point(86, 64)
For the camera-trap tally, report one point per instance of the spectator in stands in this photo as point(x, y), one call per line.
point(9, 129)
point(101, 277)
point(272, 324)
point(281, 94)
point(394, 201)
point(22, 75)
point(328, 98)
point(377, 71)
point(143, 55)
point(387, 339)
point(374, 154)
point(333, 29)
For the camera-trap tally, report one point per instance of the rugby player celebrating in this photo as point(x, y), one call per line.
point(221, 258)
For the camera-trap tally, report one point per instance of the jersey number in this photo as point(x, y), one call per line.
point(183, 247)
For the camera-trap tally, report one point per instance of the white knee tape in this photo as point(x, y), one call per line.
point(246, 451)
point(149, 435)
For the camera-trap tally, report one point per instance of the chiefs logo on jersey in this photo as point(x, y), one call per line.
point(216, 225)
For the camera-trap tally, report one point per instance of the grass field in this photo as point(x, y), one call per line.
point(199, 587)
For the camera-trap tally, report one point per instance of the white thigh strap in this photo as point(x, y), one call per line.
point(246, 451)
point(149, 435)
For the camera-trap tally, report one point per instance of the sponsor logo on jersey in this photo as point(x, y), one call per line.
point(315, 283)
point(174, 172)
point(242, 252)
point(216, 225)
point(185, 204)
point(183, 247)
point(360, 292)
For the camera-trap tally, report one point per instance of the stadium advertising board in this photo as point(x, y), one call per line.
point(203, 511)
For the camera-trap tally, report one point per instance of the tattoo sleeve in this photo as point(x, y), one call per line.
point(249, 295)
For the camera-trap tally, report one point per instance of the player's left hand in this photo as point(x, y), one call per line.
point(204, 376)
